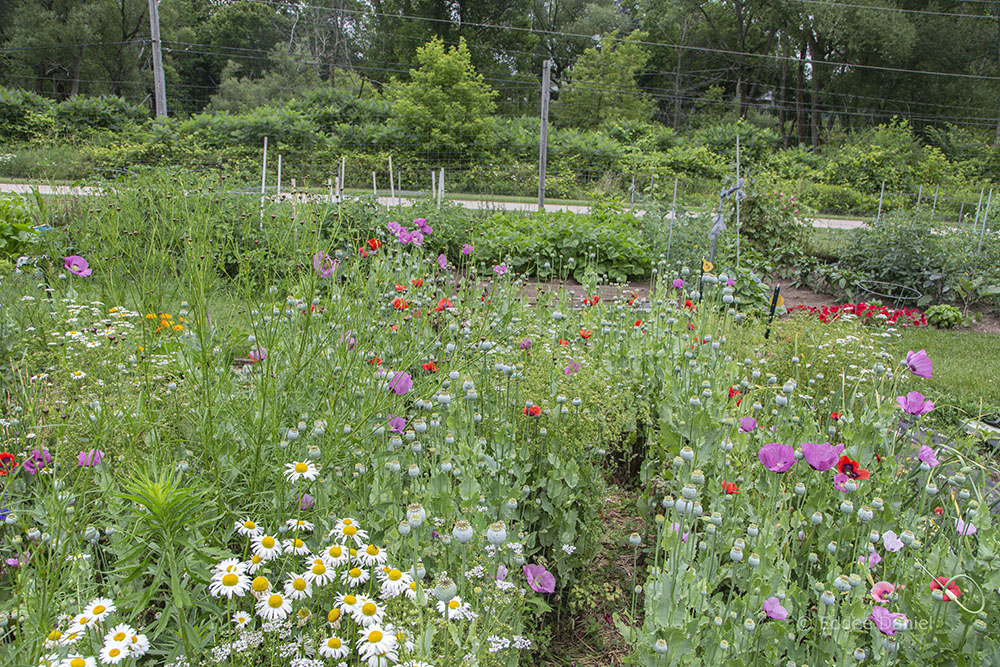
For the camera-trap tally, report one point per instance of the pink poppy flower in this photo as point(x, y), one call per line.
point(540, 579)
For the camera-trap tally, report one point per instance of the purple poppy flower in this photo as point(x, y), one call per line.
point(965, 528)
point(891, 541)
point(873, 559)
point(396, 424)
point(349, 340)
point(401, 383)
point(883, 619)
point(427, 230)
point(821, 457)
point(394, 227)
point(36, 461)
point(13, 562)
point(420, 222)
point(774, 609)
point(501, 572)
point(677, 529)
point(89, 458)
point(748, 424)
point(500, 269)
point(919, 363)
point(526, 344)
point(540, 579)
point(839, 480)
point(913, 403)
point(777, 457)
point(404, 236)
point(417, 238)
point(257, 353)
point(324, 264)
point(572, 368)
point(678, 283)
point(928, 456)
point(467, 249)
point(306, 502)
point(730, 282)
point(442, 261)
point(78, 266)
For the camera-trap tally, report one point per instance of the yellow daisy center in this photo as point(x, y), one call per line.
point(413, 585)
point(249, 525)
point(260, 584)
point(267, 542)
point(333, 643)
point(54, 635)
point(297, 543)
point(374, 636)
point(354, 552)
point(355, 573)
point(453, 604)
point(300, 522)
point(350, 599)
point(84, 620)
point(319, 568)
point(299, 584)
point(301, 467)
point(228, 580)
point(333, 615)
point(255, 559)
point(372, 550)
point(348, 522)
point(275, 601)
point(120, 636)
point(99, 609)
point(369, 609)
point(395, 575)
point(350, 531)
point(115, 652)
point(335, 551)
point(77, 662)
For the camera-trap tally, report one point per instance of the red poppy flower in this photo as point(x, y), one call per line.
point(733, 392)
point(363, 252)
point(689, 305)
point(591, 301)
point(375, 361)
point(638, 323)
point(400, 288)
point(400, 303)
point(849, 467)
point(939, 511)
point(533, 411)
point(442, 304)
point(729, 487)
point(430, 366)
point(563, 341)
point(374, 244)
point(835, 416)
point(394, 327)
point(7, 463)
point(417, 282)
point(940, 583)
point(691, 326)
point(586, 333)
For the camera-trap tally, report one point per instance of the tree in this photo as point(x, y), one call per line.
point(445, 105)
point(601, 84)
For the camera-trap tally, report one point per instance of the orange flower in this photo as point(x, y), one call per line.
point(729, 487)
point(586, 333)
point(430, 366)
point(834, 416)
point(849, 467)
point(375, 361)
point(442, 304)
point(417, 282)
point(638, 323)
point(689, 305)
point(533, 411)
point(400, 288)
point(400, 303)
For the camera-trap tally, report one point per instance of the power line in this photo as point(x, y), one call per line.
point(901, 10)
point(70, 45)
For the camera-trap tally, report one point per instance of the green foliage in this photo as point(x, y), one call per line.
point(17, 224)
point(81, 113)
point(943, 316)
point(24, 115)
point(771, 218)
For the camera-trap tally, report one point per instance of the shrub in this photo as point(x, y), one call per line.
point(24, 115)
point(79, 113)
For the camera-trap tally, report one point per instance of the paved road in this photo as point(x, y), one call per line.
point(472, 204)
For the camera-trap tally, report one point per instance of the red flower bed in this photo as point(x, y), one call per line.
point(868, 312)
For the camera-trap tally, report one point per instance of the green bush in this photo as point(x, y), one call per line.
point(79, 113)
point(836, 198)
point(24, 115)
point(943, 316)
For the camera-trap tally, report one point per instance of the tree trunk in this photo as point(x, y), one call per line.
point(77, 62)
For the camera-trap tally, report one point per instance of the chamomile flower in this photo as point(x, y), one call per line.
point(78, 375)
point(248, 528)
point(395, 583)
point(355, 577)
point(229, 584)
point(266, 547)
point(119, 634)
point(297, 588)
point(404, 638)
point(299, 470)
point(318, 573)
point(254, 564)
point(70, 637)
point(334, 648)
point(261, 587)
point(230, 566)
point(347, 603)
point(113, 653)
point(274, 607)
point(348, 529)
point(299, 524)
point(100, 609)
point(75, 660)
point(411, 590)
point(241, 620)
point(138, 645)
point(336, 556)
point(295, 546)
point(371, 556)
point(375, 642)
point(368, 613)
point(456, 610)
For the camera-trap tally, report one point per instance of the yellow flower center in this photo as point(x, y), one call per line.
point(84, 620)
point(260, 584)
point(114, 652)
point(77, 662)
point(333, 643)
point(350, 531)
point(372, 550)
point(299, 584)
point(297, 543)
point(319, 568)
point(301, 467)
point(99, 609)
point(350, 599)
point(300, 522)
point(369, 609)
point(249, 525)
point(229, 580)
point(354, 552)
point(395, 575)
point(267, 542)
point(275, 601)
point(120, 636)
point(54, 635)
point(413, 586)
point(348, 522)
point(374, 636)
point(333, 615)
point(335, 551)
point(255, 559)
point(453, 604)
point(355, 573)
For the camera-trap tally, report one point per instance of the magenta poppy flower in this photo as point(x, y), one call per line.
point(401, 383)
point(501, 572)
point(839, 480)
point(349, 340)
point(500, 269)
point(306, 502)
point(678, 283)
point(467, 249)
point(540, 579)
point(526, 344)
point(873, 560)
point(821, 457)
point(324, 264)
point(78, 266)
point(442, 261)
point(774, 609)
point(396, 424)
point(747, 424)
point(882, 590)
point(417, 238)
point(883, 619)
point(89, 458)
point(572, 368)
point(928, 456)
point(730, 282)
point(891, 541)
point(36, 461)
point(676, 527)
point(919, 363)
point(394, 227)
point(777, 457)
point(965, 528)
point(420, 222)
point(913, 403)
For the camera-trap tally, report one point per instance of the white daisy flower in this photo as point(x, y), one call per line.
point(113, 653)
point(334, 648)
point(299, 524)
point(348, 529)
point(241, 620)
point(266, 547)
point(248, 528)
point(76, 660)
point(367, 613)
point(396, 583)
point(375, 642)
point(299, 470)
point(347, 603)
point(100, 609)
point(297, 588)
point(371, 556)
point(229, 584)
point(456, 609)
point(336, 556)
point(295, 546)
point(254, 564)
point(138, 645)
point(119, 634)
point(230, 566)
point(318, 573)
point(355, 576)
point(274, 607)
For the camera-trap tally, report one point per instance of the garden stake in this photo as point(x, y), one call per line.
point(673, 216)
point(770, 316)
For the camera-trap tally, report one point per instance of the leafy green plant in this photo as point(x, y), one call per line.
point(943, 316)
point(17, 224)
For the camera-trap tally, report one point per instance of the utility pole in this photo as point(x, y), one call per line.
point(543, 136)
point(159, 85)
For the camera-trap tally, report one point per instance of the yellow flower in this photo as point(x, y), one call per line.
point(150, 316)
point(178, 327)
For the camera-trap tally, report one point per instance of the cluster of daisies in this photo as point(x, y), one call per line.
point(349, 576)
point(120, 642)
